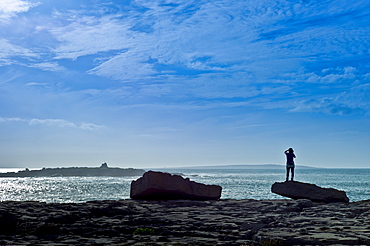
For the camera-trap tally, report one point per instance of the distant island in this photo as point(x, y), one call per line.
point(103, 170)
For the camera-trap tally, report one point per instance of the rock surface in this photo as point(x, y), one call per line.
point(185, 222)
point(165, 186)
point(298, 190)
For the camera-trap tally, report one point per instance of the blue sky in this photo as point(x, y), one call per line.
point(166, 83)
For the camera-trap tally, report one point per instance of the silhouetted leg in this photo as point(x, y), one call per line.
point(287, 173)
point(292, 168)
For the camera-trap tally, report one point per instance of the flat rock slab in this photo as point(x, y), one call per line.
point(184, 222)
point(165, 186)
point(299, 190)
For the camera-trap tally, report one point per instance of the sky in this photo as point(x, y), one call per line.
point(174, 83)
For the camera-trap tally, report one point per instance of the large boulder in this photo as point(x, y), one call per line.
point(165, 186)
point(299, 190)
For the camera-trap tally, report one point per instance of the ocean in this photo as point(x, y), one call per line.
point(235, 183)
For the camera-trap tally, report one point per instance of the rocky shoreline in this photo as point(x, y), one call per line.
point(185, 222)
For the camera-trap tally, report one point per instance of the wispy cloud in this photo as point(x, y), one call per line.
point(8, 51)
point(12, 119)
point(86, 35)
point(195, 36)
point(351, 101)
point(52, 123)
point(9, 8)
point(48, 66)
point(257, 125)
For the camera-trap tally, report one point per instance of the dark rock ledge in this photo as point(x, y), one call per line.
point(299, 190)
point(162, 186)
point(185, 222)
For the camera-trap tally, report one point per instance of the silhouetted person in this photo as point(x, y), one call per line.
point(289, 163)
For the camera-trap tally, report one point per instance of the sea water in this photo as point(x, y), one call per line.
point(235, 183)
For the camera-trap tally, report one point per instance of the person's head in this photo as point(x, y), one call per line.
point(290, 150)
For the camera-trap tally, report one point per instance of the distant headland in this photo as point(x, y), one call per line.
point(103, 170)
point(245, 166)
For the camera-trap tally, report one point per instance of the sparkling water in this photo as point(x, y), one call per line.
point(235, 183)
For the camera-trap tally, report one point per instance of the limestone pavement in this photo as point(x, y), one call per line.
point(185, 222)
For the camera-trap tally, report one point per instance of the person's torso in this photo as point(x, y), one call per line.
point(290, 157)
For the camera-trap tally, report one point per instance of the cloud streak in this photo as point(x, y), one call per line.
point(9, 8)
point(58, 123)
